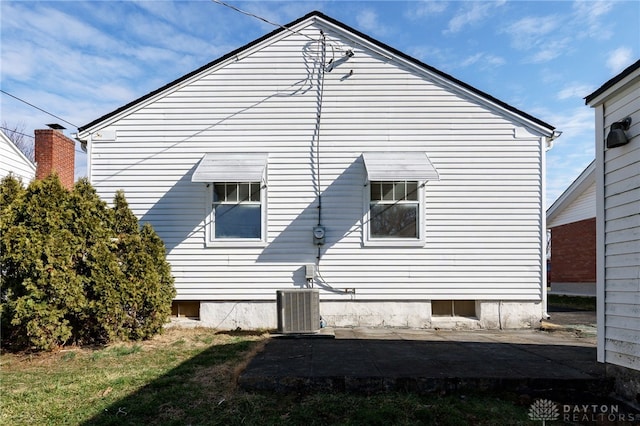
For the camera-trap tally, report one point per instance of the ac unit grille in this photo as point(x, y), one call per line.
point(298, 311)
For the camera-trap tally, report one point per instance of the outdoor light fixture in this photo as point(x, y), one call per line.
point(616, 136)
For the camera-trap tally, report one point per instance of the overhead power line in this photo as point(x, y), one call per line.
point(38, 108)
point(17, 133)
point(275, 24)
point(28, 136)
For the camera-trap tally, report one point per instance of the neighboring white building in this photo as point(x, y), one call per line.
point(571, 219)
point(577, 202)
point(430, 191)
point(618, 225)
point(13, 161)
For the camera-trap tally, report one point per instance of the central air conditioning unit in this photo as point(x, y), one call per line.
point(298, 311)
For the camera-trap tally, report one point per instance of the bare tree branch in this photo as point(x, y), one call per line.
point(18, 136)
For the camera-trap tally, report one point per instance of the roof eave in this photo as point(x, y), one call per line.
point(598, 96)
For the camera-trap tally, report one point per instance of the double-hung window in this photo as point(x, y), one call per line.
point(394, 209)
point(236, 194)
point(237, 210)
point(395, 197)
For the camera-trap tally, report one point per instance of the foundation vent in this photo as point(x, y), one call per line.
point(298, 311)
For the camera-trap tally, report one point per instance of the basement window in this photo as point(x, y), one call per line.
point(453, 308)
point(185, 309)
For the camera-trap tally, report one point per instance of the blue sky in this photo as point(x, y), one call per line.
point(81, 60)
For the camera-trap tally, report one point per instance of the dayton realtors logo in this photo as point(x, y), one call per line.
point(546, 410)
point(543, 409)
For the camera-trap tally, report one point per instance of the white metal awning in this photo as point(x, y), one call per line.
point(405, 165)
point(230, 167)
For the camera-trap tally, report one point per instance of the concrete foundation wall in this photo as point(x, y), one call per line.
point(509, 315)
point(406, 314)
point(245, 315)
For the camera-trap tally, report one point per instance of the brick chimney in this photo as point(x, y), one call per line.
point(55, 153)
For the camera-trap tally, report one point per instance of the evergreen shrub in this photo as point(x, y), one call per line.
point(74, 270)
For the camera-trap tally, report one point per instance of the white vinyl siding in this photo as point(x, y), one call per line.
point(13, 161)
point(618, 198)
point(583, 207)
point(482, 220)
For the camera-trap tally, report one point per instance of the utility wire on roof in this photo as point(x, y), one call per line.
point(38, 108)
point(275, 24)
point(220, 2)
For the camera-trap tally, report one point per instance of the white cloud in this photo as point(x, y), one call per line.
point(575, 123)
point(494, 61)
point(563, 170)
point(619, 59)
point(554, 35)
point(472, 13)
point(22, 62)
point(589, 14)
point(572, 151)
point(550, 75)
point(427, 54)
point(532, 30)
point(550, 51)
point(574, 90)
point(369, 22)
point(592, 10)
point(425, 9)
point(483, 61)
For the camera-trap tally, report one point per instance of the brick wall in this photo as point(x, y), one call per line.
point(573, 252)
point(55, 153)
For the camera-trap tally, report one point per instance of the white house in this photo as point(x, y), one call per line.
point(13, 161)
point(571, 219)
point(617, 124)
point(319, 157)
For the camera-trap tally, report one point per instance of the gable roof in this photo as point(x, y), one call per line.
point(582, 182)
point(320, 16)
point(611, 83)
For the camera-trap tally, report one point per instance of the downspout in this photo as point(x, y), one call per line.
point(86, 148)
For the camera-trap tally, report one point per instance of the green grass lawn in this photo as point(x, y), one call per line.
point(582, 303)
point(188, 376)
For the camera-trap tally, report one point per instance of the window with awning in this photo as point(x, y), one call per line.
point(236, 195)
point(398, 166)
point(396, 203)
point(235, 167)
